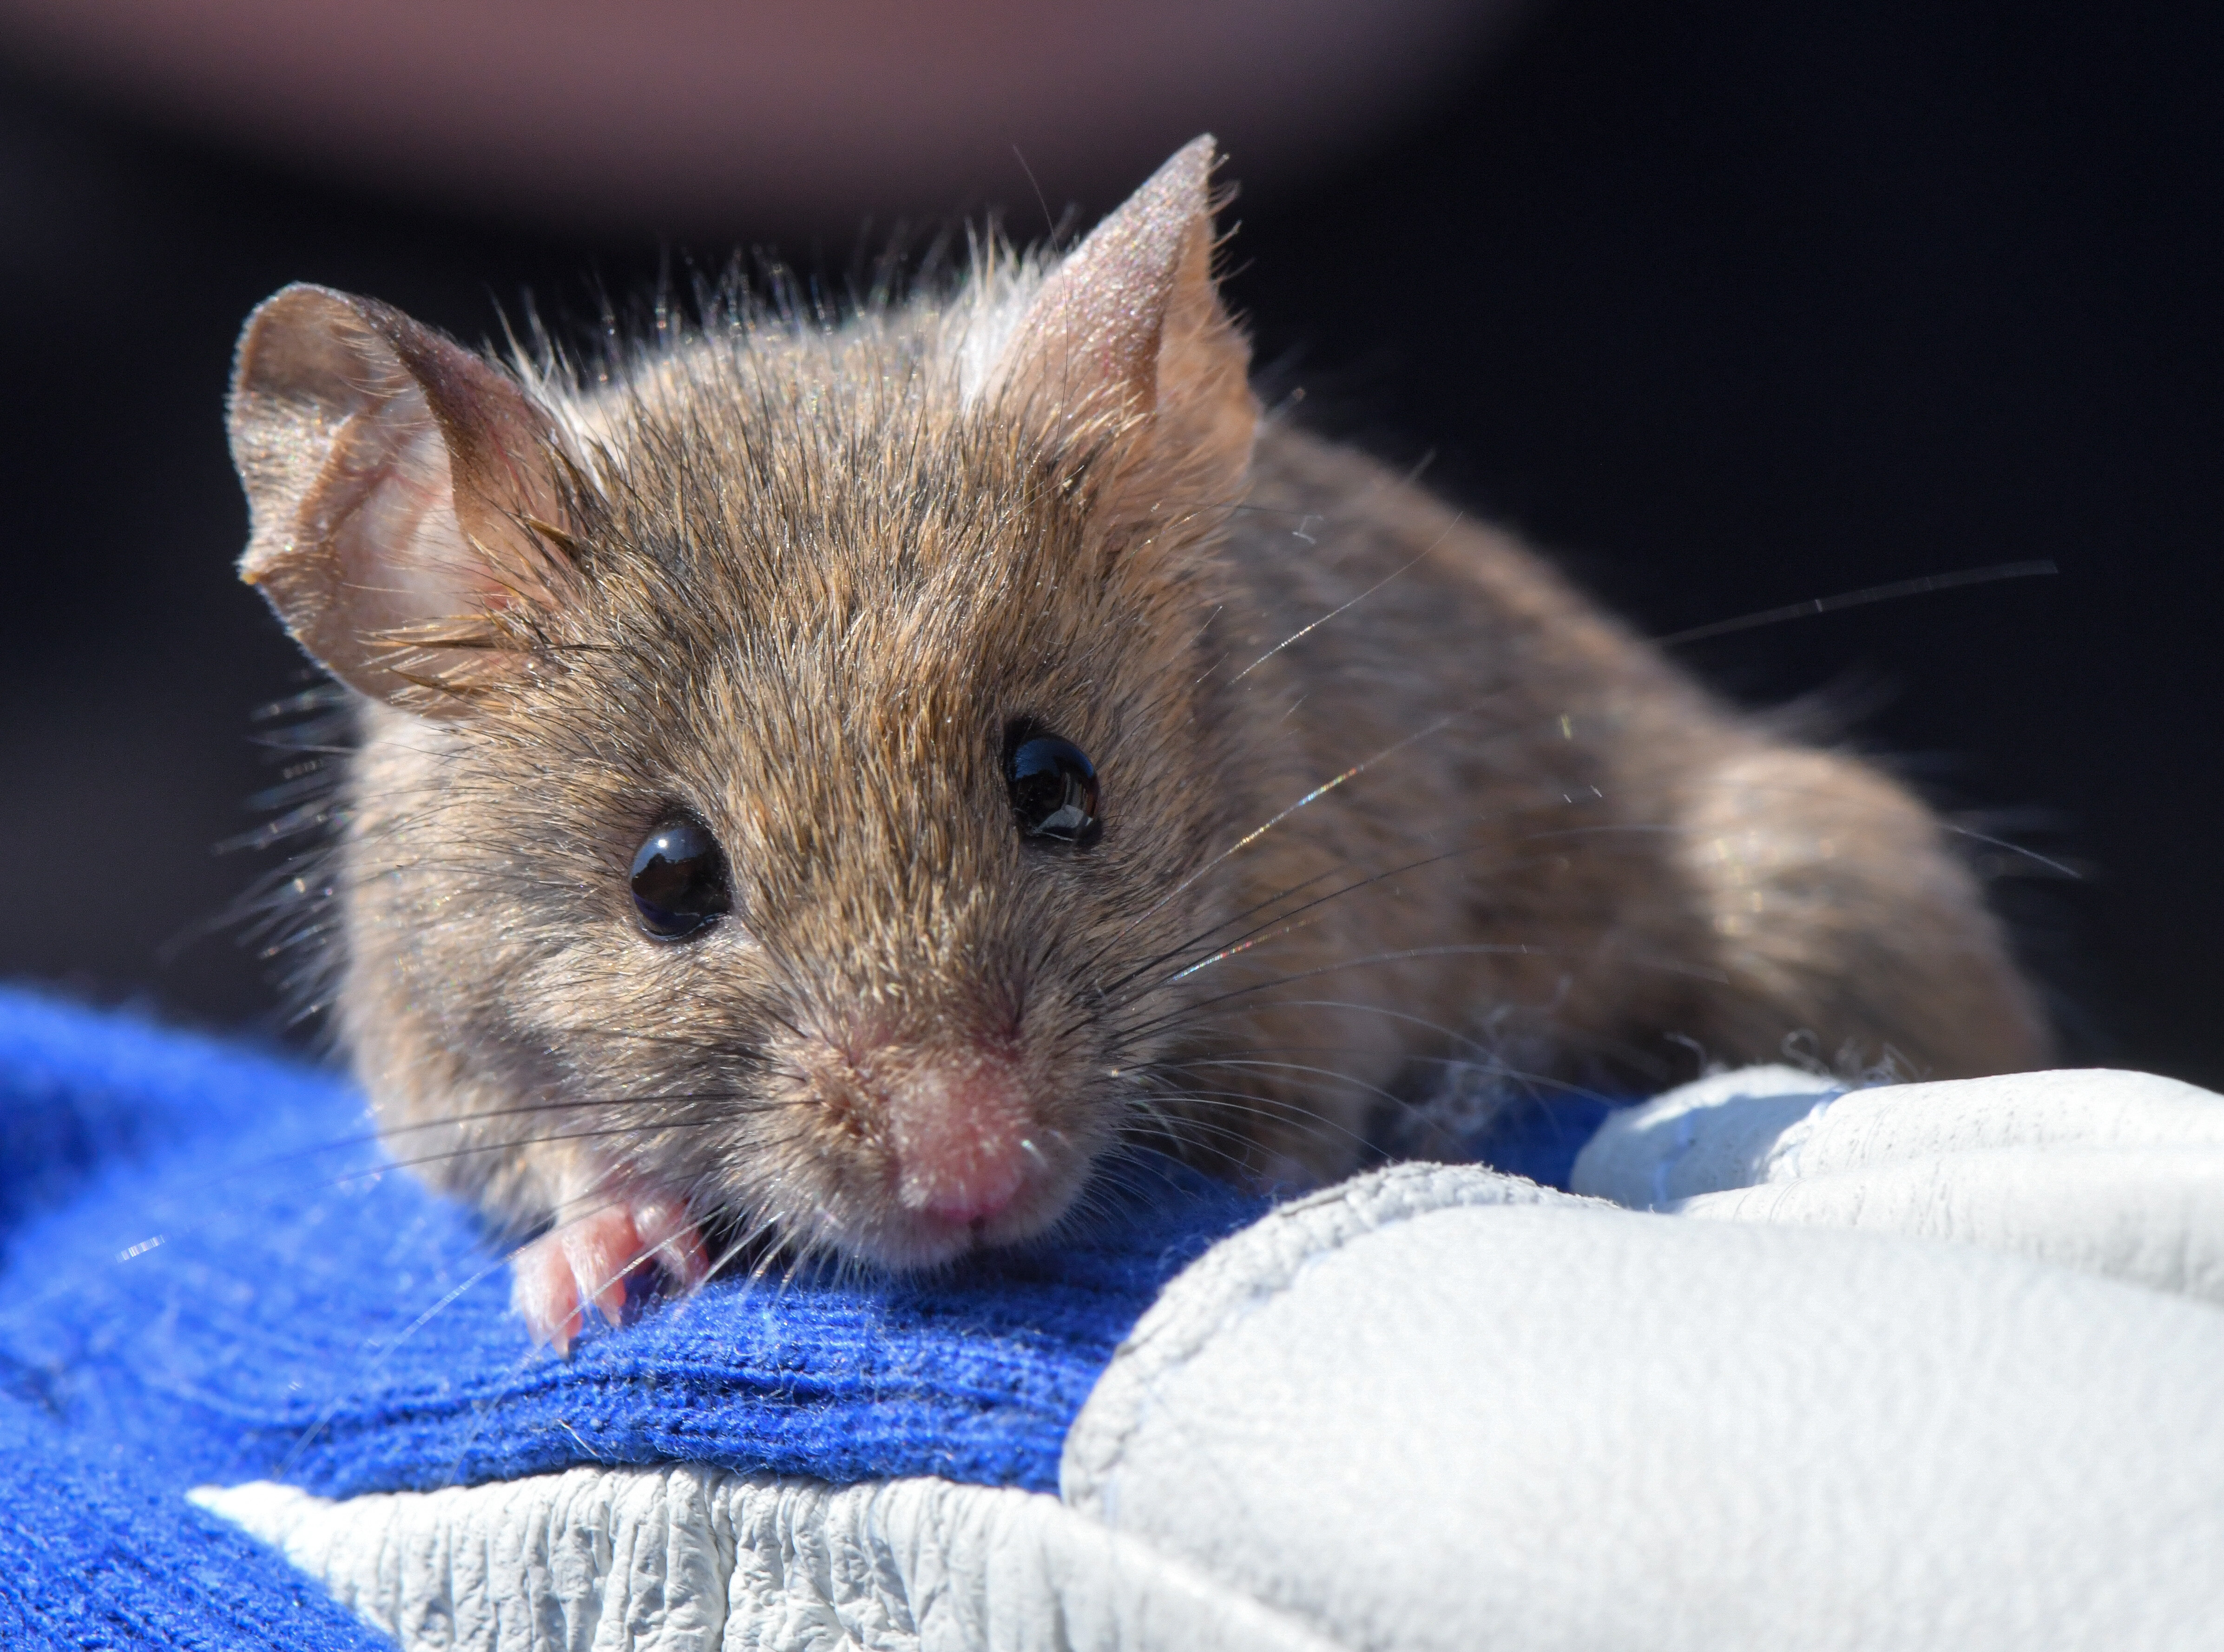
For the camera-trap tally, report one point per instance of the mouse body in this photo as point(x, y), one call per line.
point(823, 787)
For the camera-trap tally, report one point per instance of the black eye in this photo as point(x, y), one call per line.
point(680, 879)
point(1053, 786)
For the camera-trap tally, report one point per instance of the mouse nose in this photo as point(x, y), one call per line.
point(961, 1131)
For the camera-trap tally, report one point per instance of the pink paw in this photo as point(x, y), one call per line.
point(592, 1259)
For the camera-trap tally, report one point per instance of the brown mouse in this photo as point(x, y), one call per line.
point(822, 787)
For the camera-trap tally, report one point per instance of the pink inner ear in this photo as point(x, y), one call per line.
point(401, 556)
point(386, 467)
point(1128, 339)
point(1090, 340)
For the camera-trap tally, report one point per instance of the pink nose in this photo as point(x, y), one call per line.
point(961, 1137)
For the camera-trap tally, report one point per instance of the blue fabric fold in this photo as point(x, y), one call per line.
point(210, 1267)
point(210, 1272)
point(93, 1554)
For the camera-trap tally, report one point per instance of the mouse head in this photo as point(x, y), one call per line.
point(782, 762)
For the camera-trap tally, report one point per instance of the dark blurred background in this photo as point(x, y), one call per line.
point(1730, 304)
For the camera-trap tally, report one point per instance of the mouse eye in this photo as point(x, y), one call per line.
point(1053, 787)
point(680, 879)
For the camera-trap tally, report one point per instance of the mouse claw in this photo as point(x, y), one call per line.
point(598, 1260)
point(543, 1289)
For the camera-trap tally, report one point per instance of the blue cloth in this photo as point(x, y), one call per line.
point(209, 1273)
point(92, 1554)
point(1539, 1136)
point(207, 1266)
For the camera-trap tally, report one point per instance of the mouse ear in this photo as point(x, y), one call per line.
point(391, 475)
point(1127, 344)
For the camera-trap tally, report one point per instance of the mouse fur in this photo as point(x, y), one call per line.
point(1383, 798)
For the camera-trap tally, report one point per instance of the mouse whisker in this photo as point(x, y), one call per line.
point(1290, 1067)
point(1183, 1118)
point(1511, 866)
point(1472, 948)
point(1486, 1063)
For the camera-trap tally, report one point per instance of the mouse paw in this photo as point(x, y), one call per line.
point(602, 1259)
